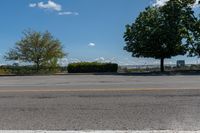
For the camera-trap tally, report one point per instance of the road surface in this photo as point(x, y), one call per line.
point(100, 102)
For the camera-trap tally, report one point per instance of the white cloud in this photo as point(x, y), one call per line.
point(63, 62)
point(106, 60)
point(196, 4)
point(50, 5)
point(92, 44)
point(100, 59)
point(74, 60)
point(159, 3)
point(68, 13)
point(32, 5)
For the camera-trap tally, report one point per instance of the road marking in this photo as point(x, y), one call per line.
point(91, 90)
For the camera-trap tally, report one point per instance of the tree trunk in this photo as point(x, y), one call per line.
point(37, 67)
point(162, 67)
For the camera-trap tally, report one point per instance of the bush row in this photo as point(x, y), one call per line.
point(92, 67)
point(30, 70)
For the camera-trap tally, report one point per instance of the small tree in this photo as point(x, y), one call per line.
point(39, 48)
point(158, 32)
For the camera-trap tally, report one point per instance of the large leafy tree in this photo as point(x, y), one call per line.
point(42, 49)
point(158, 32)
point(193, 42)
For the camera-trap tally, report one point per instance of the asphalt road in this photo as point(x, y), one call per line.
point(100, 102)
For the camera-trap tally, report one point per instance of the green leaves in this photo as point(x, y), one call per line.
point(159, 32)
point(92, 67)
point(42, 49)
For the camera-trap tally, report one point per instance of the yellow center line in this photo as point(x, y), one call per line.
point(91, 90)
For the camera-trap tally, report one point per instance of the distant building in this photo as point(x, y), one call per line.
point(181, 63)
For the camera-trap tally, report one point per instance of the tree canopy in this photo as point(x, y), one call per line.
point(193, 42)
point(159, 32)
point(42, 49)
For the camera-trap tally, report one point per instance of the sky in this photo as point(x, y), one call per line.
point(90, 30)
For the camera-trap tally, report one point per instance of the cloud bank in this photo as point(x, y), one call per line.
point(50, 5)
point(53, 6)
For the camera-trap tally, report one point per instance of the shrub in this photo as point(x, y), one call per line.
point(4, 71)
point(30, 70)
point(92, 67)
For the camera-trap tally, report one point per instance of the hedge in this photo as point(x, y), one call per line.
point(30, 70)
point(92, 67)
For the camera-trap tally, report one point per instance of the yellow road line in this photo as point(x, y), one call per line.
point(89, 90)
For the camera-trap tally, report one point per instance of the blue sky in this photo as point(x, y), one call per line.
point(88, 29)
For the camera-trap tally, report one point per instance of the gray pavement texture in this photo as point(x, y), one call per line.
point(100, 102)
